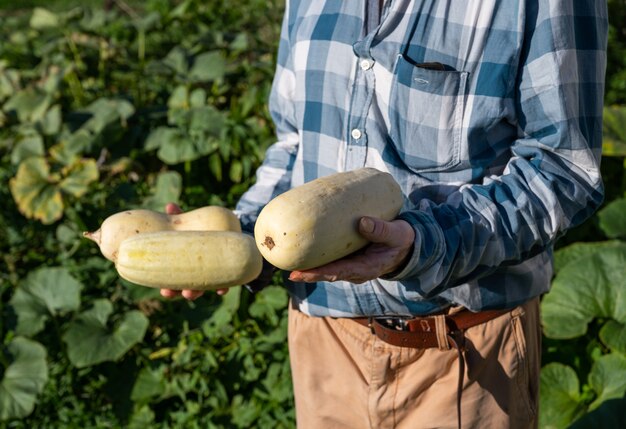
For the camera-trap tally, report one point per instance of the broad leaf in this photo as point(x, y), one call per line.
point(614, 126)
point(43, 19)
point(207, 119)
point(29, 104)
point(79, 176)
point(30, 144)
point(106, 117)
point(179, 99)
point(560, 396)
point(9, 82)
point(52, 120)
point(208, 66)
point(176, 60)
point(585, 289)
point(107, 111)
point(197, 98)
point(34, 191)
point(613, 219)
point(71, 147)
point(37, 191)
point(23, 379)
point(44, 293)
point(175, 146)
point(94, 338)
point(150, 384)
point(168, 187)
point(267, 302)
point(610, 415)
point(613, 335)
point(223, 316)
point(608, 378)
point(580, 250)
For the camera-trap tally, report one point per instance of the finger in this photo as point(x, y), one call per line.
point(222, 291)
point(169, 293)
point(171, 208)
point(356, 270)
point(191, 294)
point(392, 234)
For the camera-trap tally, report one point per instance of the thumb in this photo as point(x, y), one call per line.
point(392, 234)
point(171, 208)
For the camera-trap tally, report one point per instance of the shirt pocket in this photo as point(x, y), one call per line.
point(426, 115)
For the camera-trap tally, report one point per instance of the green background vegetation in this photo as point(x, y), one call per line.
point(109, 105)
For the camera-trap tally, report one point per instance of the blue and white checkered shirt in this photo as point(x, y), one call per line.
point(488, 114)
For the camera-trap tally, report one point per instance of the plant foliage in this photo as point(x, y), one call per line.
point(107, 109)
point(110, 105)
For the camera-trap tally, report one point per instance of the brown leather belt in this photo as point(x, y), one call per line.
point(422, 332)
point(444, 331)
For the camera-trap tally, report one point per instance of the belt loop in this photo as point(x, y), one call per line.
point(442, 332)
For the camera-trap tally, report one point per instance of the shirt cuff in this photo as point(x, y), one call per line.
point(428, 247)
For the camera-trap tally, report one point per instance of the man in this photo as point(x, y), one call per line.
point(488, 115)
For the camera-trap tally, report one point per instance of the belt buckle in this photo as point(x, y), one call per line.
point(396, 323)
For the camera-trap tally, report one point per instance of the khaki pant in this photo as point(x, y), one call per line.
point(345, 377)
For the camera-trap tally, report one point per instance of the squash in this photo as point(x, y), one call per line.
point(198, 260)
point(116, 228)
point(317, 223)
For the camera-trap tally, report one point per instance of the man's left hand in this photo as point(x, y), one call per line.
point(391, 244)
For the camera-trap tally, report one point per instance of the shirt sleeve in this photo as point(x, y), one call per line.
point(552, 181)
point(273, 177)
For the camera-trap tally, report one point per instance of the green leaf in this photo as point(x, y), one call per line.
point(179, 99)
point(207, 119)
point(560, 396)
point(613, 335)
point(176, 60)
point(236, 171)
point(608, 378)
point(79, 176)
point(35, 193)
point(52, 121)
point(29, 104)
point(43, 19)
point(169, 186)
point(175, 146)
point(614, 131)
point(581, 250)
point(44, 293)
point(107, 111)
point(197, 98)
point(240, 42)
point(613, 219)
point(142, 418)
point(30, 144)
point(610, 415)
point(224, 314)
point(268, 302)
point(215, 165)
point(9, 82)
point(585, 289)
point(94, 338)
point(208, 66)
point(150, 384)
point(73, 146)
point(23, 379)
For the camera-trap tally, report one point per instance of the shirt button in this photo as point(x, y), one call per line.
point(366, 64)
point(356, 134)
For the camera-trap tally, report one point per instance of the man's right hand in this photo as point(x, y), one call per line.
point(189, 294)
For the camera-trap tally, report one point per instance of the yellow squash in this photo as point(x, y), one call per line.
point(316, 223)
point(199, 260)
point(120, 226)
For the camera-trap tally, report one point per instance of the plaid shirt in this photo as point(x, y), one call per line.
point(487, 113)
